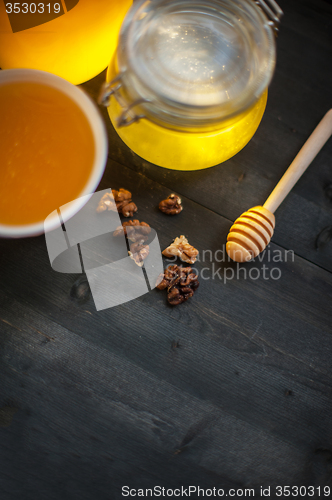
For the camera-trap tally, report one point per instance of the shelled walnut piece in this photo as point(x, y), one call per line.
point(135, 230)
point(139, 252)
point(118, 201)
point(181, 248)
point(172, 205)
point(181, 283)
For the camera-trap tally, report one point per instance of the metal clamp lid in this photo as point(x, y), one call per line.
point(272, 11)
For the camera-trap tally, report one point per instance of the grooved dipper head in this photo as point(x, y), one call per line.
point(250, 234)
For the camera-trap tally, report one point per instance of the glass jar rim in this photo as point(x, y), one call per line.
point(193, 62)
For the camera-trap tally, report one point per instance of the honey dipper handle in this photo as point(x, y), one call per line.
point(301, 162)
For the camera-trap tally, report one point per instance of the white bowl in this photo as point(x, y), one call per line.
point(101, 146)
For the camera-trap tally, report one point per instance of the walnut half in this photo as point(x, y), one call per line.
point(181, 248)
point(172, 205)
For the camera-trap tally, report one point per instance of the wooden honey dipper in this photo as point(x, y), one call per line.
point(253, 230)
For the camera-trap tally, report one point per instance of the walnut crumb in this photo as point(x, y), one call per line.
point(135, 230)
point(181, 248)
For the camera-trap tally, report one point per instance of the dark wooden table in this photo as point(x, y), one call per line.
point(229, 390)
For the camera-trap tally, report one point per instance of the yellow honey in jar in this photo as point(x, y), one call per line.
point(190, 150)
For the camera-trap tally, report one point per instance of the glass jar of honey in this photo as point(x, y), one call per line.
point(187, 87)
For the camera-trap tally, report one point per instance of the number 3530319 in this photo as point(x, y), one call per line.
point(33, 8)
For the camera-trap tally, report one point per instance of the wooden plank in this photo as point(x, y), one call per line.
point(95, 421)
point(309, 18)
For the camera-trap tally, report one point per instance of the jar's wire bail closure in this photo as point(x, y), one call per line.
point(272, 11)
point(128, 116)
point(108, 89)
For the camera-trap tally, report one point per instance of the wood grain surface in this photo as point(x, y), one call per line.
point(231, 389)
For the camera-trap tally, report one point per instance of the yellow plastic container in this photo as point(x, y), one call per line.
point(73, 39)
point(187, 87)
